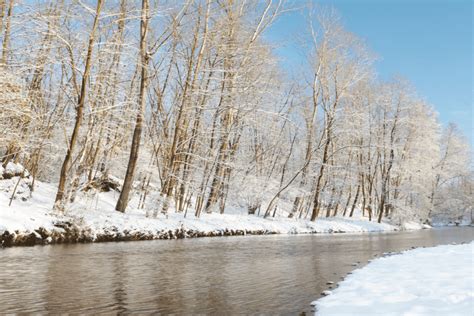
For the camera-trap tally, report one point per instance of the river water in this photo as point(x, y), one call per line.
point(221, 276)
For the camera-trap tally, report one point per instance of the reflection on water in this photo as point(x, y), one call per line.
point(234, 275)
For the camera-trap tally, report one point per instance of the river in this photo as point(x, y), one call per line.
point(277, 274)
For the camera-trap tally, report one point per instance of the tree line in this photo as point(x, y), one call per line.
point(188, 103)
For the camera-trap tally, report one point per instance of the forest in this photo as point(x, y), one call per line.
point(186, 107)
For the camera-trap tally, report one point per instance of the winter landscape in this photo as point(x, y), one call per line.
point(124, 123)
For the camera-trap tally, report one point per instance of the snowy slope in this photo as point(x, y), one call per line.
point(26, 212)
point(93, 214)
point(425, 281)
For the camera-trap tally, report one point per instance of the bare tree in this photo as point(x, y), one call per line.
point(79, 111)
point(127, 184)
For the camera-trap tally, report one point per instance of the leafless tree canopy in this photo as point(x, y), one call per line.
point(187, 102)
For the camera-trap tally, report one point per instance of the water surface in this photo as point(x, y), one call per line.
point(228, 275)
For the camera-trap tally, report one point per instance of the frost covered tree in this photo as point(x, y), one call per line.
point(137, 133)
point(451, 187)
point(79, 107)
point(188, 103)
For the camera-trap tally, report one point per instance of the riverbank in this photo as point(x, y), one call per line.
point(29, 220)
point(424, 281)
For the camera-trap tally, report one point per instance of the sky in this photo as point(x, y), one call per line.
point(427, 42)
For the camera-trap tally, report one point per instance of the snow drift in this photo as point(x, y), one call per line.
point(424, 281)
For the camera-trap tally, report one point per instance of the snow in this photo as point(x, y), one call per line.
point(410, 225)
point(14, 169)
point(24, 216)
point(94, 212)
point(424, 281)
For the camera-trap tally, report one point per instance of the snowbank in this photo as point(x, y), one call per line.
point(414, 226)
point(424, 281)
point(29, 220)
point(11, 170)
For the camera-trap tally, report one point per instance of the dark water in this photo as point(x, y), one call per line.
point(234, 275)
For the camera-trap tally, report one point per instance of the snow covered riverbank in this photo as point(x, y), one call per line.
point(29, 220)
point(424, 281)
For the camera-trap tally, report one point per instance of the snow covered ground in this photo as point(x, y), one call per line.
point(93, 218)
point(424, 281)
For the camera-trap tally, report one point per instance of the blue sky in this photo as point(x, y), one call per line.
point(428, 42)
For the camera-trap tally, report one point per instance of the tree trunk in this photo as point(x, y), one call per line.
point(347, 203)
point(79, 114)
point(315, 212)
point(6, 37)
point(355, 201)
point(127, 184)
